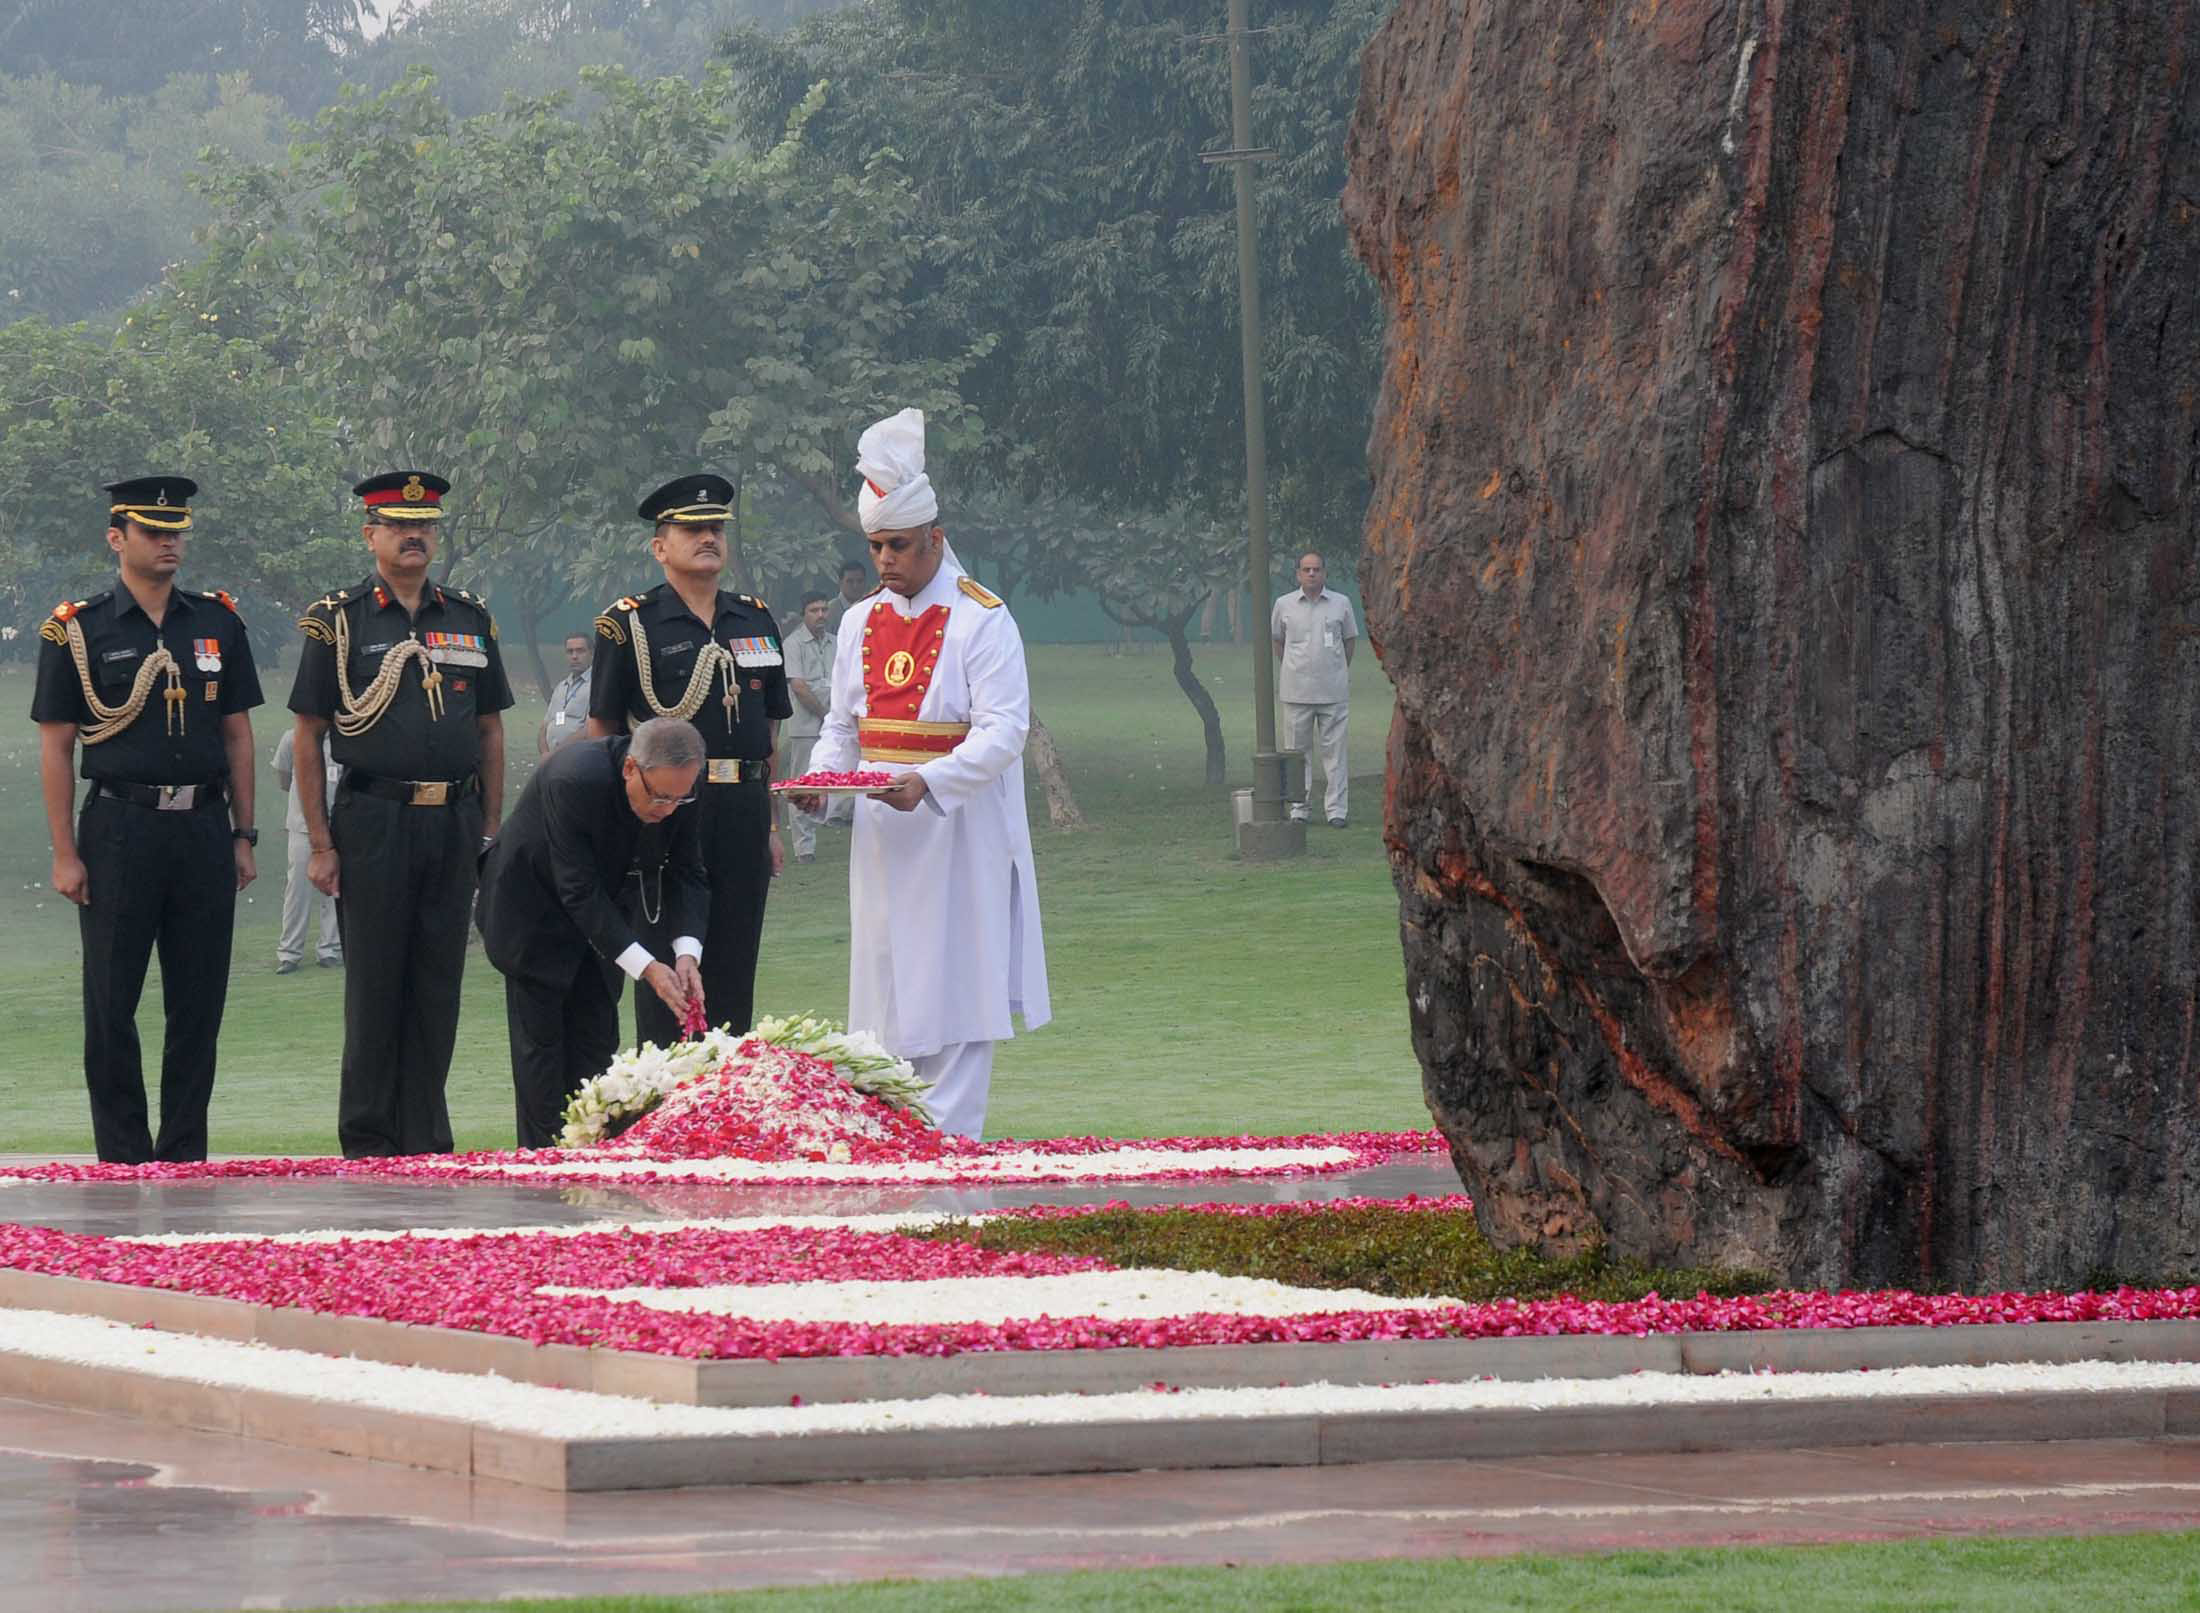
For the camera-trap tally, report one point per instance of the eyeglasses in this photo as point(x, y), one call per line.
point(659, 800)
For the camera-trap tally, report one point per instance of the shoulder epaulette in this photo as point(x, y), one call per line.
point(628, 603)
point(313, 626)
point(220, 598)
point(54, 629)
point(983, 596)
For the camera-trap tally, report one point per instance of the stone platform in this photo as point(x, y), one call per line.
point(567, 1418)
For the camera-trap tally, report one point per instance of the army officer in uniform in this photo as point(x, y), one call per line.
point(407, 679)
point(158, 683)
point(687, 649)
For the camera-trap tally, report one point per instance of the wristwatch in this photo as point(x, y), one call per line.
point(250, 837)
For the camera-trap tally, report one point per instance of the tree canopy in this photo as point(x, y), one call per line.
point(558, 307)
point(1053, 146)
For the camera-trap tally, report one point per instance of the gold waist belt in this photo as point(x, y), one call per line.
point(890, 739)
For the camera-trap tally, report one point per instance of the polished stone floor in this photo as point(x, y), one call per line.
point(260, 1205)
point(105, 1516)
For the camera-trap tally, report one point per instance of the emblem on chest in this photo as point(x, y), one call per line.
point(900, 655)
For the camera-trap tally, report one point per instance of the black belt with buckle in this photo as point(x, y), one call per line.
point(735, 770)
point(167, 797)
point(414, 792)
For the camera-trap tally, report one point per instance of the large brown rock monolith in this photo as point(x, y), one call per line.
point(1783, 544)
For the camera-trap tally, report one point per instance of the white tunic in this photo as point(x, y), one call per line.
point(943, 907)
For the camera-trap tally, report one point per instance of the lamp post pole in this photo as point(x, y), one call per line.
point(1256, 424)
point(1272, 833)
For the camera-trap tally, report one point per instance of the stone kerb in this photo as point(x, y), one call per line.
point(821, 1380)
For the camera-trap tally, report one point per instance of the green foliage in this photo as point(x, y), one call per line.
point(484, 50)
point(168, 391)
point(95, 199)
point(558, 307)
point(293, 48)
point(1053, 146)
point(1406, 1253)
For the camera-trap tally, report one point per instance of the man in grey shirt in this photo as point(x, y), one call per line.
point(1314, 632)
point(565, 719)
point(300, 900)
point(810, 650)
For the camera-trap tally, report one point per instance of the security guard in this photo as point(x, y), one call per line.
point(686, 649)
point(409, 676)
point(158, 682)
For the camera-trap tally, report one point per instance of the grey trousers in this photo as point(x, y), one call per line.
point(300, 902)
point(1321, 728)
point(794, 761)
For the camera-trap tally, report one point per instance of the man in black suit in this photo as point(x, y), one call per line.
point(551, 918)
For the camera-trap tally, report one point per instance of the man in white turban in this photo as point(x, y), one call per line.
point(929, 684)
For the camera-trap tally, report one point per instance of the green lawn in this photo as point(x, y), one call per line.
point(1192, 993)
point(2129, 1573)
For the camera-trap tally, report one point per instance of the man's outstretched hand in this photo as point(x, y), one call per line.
point(905, 792)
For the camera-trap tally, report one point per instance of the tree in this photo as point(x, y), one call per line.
point(1053, 146)
point(484, 50)
point(80, 406)
point(552, 304)
point(292, 48)
point(93, 201)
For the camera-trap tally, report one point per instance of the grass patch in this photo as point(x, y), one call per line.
point(2130, 1573)
point(1405, 1253)
point(1193, 993)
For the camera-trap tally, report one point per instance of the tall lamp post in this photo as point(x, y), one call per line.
point(1272, 832)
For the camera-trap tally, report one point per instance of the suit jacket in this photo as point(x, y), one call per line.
point(553, 885)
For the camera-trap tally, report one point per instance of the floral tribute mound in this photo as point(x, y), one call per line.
point(795, 1102)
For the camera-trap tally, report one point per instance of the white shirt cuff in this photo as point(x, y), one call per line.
point(634, 960)
point(686, 946)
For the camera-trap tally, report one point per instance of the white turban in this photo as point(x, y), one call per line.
point(896, 494)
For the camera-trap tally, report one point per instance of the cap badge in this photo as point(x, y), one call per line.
point(413, 491)
point(161, 497)
point(702, 495)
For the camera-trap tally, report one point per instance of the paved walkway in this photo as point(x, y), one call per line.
point(105, 1516)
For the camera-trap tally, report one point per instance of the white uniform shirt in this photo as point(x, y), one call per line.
point(811, 660)
point(567, 717)
point(944, 942)
point(294, 815)
point(1314, 633)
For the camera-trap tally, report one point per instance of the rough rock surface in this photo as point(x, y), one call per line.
point(1783, 543)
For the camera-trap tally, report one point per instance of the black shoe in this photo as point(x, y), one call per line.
point(336, 962)
point(1336, 823)
point(286, 966)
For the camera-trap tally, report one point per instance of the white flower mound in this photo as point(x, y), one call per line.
point(1121, 1296)
point(493, 1402)
point(1032, 1165)
point(642, 1079)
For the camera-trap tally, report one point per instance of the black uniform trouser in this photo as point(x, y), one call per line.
point(736, 833)
point(561, 1036)
point(405, 894)
point(167, 879)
